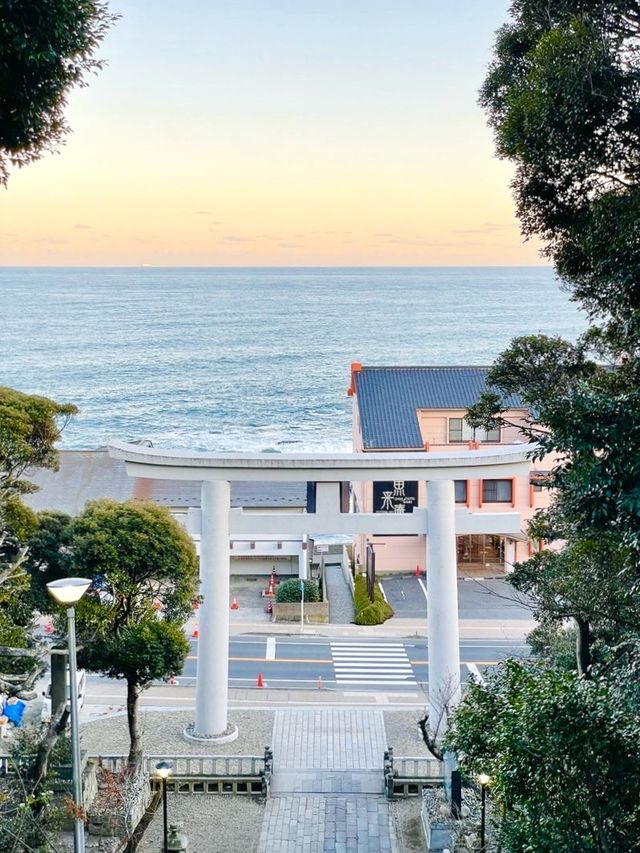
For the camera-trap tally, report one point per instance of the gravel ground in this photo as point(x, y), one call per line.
point(210, 822)
point(408, 826)
point(403, 733)
point(162, 734)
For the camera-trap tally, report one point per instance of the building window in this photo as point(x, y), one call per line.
point(461, 491)
point(459, 430)
point(539, 480)
point(484, 550)
point(497, 491)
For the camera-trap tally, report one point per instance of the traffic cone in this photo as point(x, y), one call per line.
point(320, 684)
point(259, 683)
point(195, 633)
point(234, 604)
point(417, 572)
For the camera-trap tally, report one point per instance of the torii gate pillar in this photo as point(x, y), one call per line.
point(442, 605)
point(211, 723)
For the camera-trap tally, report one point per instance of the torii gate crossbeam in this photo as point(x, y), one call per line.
point(439, 521)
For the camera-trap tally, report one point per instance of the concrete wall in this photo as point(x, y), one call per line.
point(315, 612)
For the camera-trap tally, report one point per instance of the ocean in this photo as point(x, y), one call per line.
point(250, 359)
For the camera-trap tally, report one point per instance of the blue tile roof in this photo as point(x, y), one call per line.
point(389, 396)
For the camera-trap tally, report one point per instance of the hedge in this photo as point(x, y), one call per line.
point(369, 612)
point(289, 591)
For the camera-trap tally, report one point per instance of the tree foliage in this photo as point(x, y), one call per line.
point(46, 49)
point(562, 736)
point(144, 568)
point(29, 428)
point(563, 97)
point(289, 590)
point(563, 757)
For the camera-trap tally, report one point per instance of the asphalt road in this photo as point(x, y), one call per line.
point(342, 664)
point(477, 599)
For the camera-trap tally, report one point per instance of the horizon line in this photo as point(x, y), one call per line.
point(276, 266)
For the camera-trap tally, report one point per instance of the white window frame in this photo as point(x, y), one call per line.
point(469, 433)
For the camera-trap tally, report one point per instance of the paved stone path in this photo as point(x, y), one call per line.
point(327, 791)
point(339, 595)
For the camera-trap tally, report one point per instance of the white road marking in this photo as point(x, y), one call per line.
point(424, 588)
point(271, 649)
point(370, 663)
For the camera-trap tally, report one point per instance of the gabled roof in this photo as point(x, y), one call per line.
point(388, 398)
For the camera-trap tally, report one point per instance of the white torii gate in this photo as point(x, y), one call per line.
point(440, 520)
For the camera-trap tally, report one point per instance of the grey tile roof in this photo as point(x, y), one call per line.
point(388, 398)
point(86, 475)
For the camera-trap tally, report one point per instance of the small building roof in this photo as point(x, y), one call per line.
point(86, 475)
point(389, 397)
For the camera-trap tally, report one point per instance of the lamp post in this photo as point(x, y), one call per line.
point(69, 591)
point(163, 769)
point(484, 781)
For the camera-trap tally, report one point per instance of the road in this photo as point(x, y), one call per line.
point(477, 599)
point(305, 663)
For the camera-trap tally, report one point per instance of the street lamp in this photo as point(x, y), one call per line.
point(484, 781)
point(69, 591)
point(163, 770)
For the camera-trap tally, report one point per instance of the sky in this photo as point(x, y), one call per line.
point(276, 132)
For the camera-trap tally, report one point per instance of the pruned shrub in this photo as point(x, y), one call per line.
point(289, 591)
point(369, 612)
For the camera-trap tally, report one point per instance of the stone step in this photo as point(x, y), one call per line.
point(327, 782)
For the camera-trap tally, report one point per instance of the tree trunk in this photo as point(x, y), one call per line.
point(430, 742)
point(56, 728)
point(583, 648)
point(135, 748)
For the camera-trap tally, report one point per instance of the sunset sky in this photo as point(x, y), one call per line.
point(276, 132)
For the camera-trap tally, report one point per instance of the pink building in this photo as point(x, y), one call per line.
point(422, 408)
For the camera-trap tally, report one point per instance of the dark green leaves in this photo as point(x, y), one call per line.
point(46, 48)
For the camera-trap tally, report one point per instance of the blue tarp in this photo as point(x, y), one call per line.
point(14, 712)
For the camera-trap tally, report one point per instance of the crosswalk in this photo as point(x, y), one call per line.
point(371, 663)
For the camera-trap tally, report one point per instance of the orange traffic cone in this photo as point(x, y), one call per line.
point(195, 633)
point(259, 684)
point(320, 684)
point(417, 572)
point(234, 603)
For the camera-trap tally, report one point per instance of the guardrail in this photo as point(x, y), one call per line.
point(407, 775)
point(206, 774)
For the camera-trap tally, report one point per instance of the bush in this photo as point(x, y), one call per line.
point(289, 591)
point(370, 612)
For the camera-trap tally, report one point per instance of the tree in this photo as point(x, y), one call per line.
point(563, 97)
point(561, 738)
point(563, 757)
point(131, 624)
point(29, 428)
point(46, 48)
